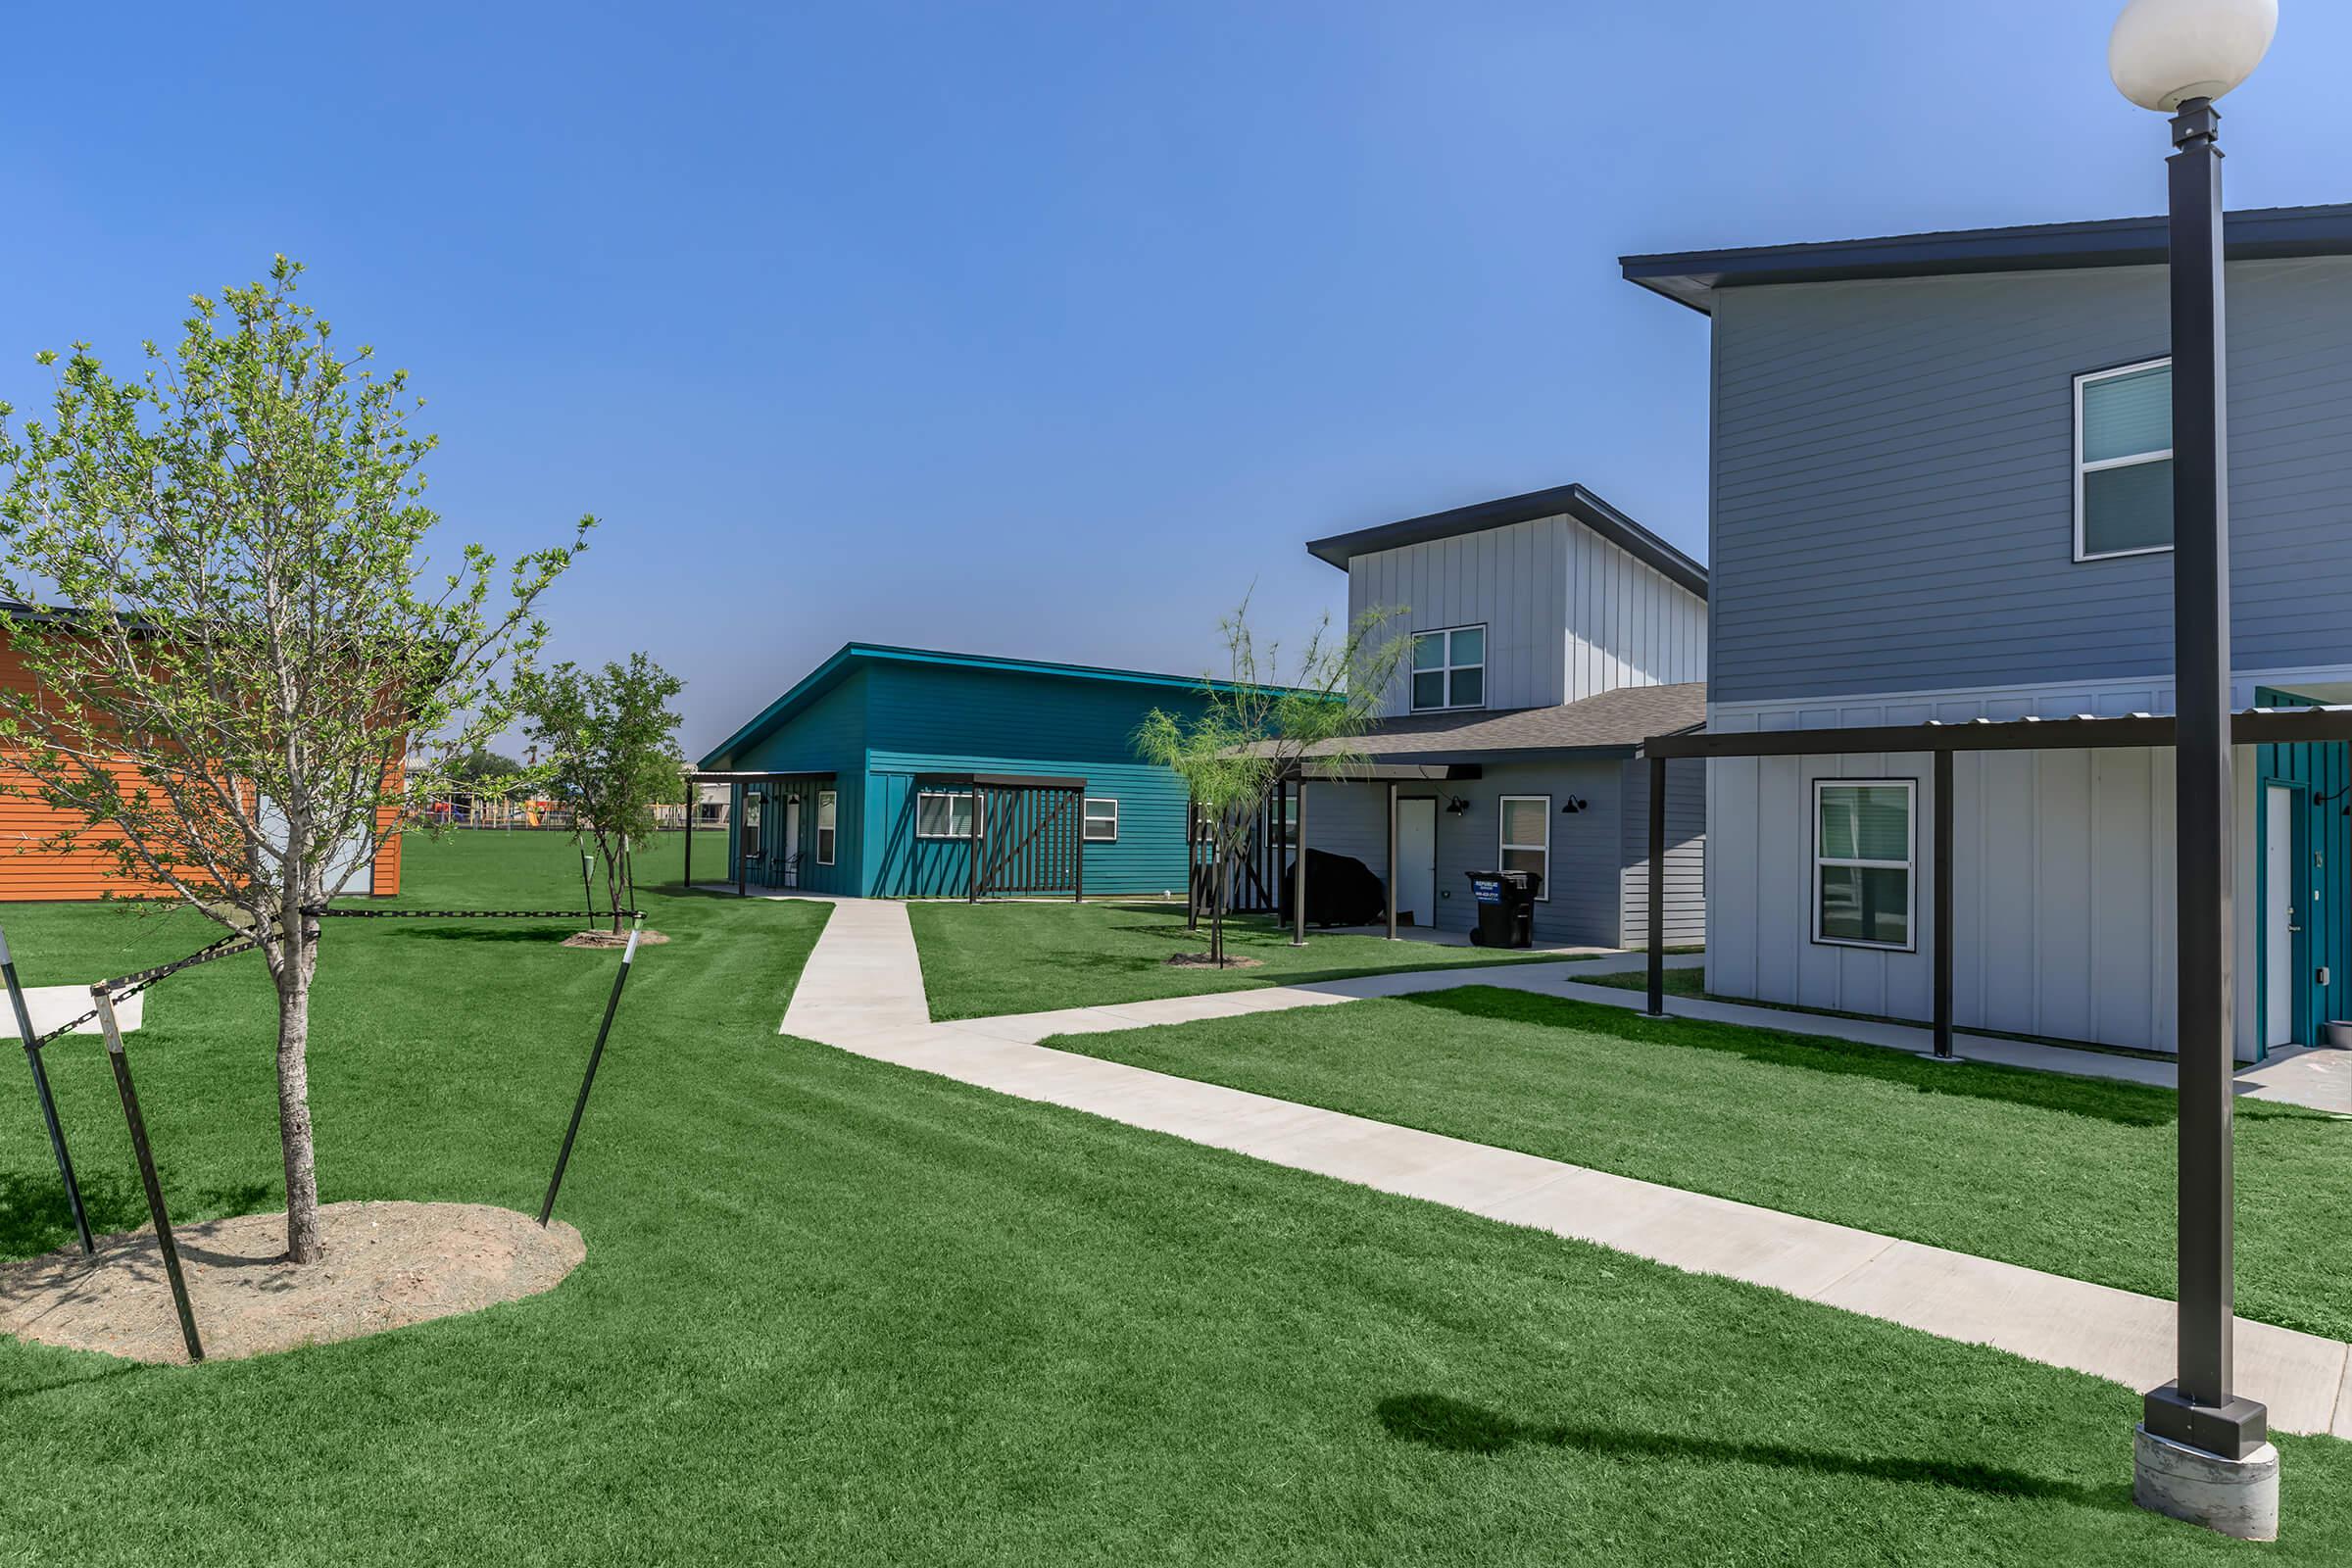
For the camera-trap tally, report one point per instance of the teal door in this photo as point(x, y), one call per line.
point(2303, 895)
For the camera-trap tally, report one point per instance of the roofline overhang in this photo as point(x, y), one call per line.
point(1693, 278)
point(1570, 500)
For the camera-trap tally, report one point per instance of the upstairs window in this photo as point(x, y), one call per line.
point(1102, 819)
point(939, 814)
point(1863, 847)
point(1450, 668)
point(2124, 461)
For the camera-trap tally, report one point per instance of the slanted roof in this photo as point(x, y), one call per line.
point(1613, 723)
point(1570, 500)
point(1693, 278)
point(833, 671)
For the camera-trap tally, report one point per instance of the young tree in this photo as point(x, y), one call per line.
point(611, 753)
point(234, 696)
point(1255, 729)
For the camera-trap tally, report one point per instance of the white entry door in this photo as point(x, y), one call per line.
point(2281, 917)
point(791, 849)
point(1416, 877)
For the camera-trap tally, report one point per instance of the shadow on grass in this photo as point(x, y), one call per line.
point(34, 1218)
point(1459, 1427)
point(548, 932)
point(2124, 1105)
point(120, 1370)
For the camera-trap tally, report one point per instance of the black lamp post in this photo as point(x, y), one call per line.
point(2177, 57)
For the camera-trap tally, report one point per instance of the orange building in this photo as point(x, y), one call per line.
point(33, 870)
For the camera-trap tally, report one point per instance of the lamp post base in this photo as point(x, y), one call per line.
point(2237, 1497)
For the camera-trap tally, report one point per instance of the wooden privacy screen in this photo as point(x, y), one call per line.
point(1254, 880)
point(1029, 836)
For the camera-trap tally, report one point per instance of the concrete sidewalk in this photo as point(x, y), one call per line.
point(863, 992)
point(2293, 1075)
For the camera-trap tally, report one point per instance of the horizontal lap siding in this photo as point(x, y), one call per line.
point(1893, 492)
point(945, 719)
point(1583, 892)
point(1685, 853)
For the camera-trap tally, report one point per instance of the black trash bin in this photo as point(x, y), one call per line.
point(1506, 907)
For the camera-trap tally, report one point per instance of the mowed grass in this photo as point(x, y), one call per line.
point(2074, 1176)
point(983, 959)
point(838, 1312)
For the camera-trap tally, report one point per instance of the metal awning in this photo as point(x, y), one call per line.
point(2249, 727)
point(1003, 781)
point(757, 778)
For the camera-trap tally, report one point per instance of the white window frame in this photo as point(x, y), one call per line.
point(828, 824)
point(1503, 818)
point(1909, 865)
point(1448, 668)
point(953, 835)
point(1087, 820)
point(2081, 552)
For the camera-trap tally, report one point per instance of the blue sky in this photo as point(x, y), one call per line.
point(1038, 329)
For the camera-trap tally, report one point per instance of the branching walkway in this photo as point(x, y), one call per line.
point(863, 991)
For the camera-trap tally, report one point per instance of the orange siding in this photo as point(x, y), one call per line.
point(33, 872)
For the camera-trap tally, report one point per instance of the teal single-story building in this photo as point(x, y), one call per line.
point(905, 772)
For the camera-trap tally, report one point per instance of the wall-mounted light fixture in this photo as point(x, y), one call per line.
point(1576, 804)
point(1455, 806)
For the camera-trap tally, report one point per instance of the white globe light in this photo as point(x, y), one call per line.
point(2166, 52)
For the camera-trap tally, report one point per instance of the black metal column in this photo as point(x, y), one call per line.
point(1944, 934)
point(1298, 872)
point(737, 807)
point(2202, 1408)
point(1391, 900)
point(40, 1089)
point(693, 799)
point(1657, 887)
point(148, 1178)
point(1192, 862)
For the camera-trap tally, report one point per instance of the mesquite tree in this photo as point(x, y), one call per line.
point(1255, 729)
point(612, 754)
point(243, 651)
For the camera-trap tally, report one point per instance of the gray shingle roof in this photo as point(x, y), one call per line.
point(1615, 721)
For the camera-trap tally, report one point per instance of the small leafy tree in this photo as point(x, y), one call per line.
point(486, 767)
point(612, 754)
point(236, 701)
point(1255, 729)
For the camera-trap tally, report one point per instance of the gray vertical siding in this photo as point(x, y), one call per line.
point(1567, 613)
point(1584, 900)
point(1894, 481)
point(1685, 853)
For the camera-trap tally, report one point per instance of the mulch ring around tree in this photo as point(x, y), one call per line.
point(387, 1265)
point(1201, 960)
point(608, 938)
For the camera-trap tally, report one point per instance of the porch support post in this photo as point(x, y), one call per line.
point(743, 847)
point(693, 794)
point(1657, 887)
point(1945, 935)
point(1192, 862)
point(1298, 872)
point(1391, 900)
point(973, 841)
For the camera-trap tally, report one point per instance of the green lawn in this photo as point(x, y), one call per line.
point(982, 960)
point(2069, 1175)
point(839, 1313)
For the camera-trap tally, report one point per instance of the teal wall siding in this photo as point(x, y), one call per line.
point(926, 719)
point(2325, 770)
point(829, 735)
point(886, 721)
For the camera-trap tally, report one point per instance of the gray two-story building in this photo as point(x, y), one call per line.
point(1942, 492)
point(1548, 634)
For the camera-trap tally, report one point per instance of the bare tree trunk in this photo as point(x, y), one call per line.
point(303, 1245)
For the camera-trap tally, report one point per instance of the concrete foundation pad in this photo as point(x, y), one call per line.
point(2237, 1497)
